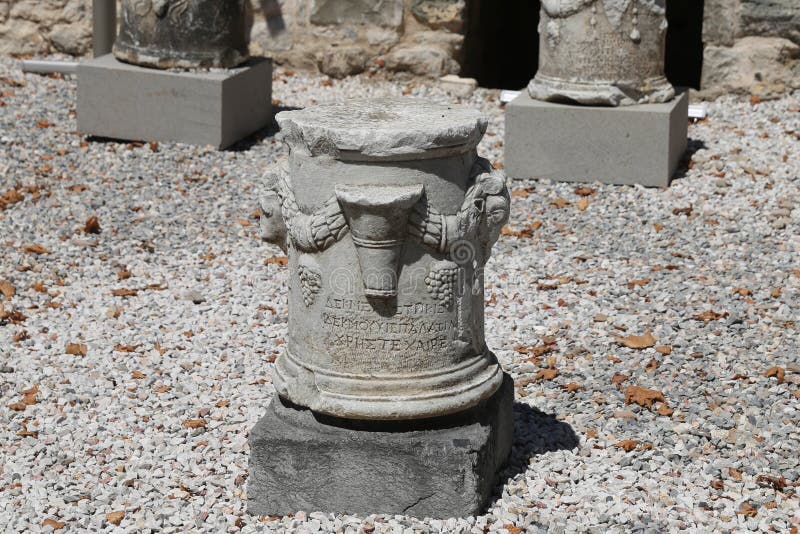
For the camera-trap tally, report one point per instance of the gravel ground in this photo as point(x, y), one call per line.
point(134, 361)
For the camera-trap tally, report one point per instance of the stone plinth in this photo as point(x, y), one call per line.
point(388, 216)
point(183, 33)
point(122, 101)
point(602, 52)
point(640, 144)
point(445, 467)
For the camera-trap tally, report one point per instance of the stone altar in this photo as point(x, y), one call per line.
point(157, 85)
point(602, 52)
point(388, 216)
point(600, 107)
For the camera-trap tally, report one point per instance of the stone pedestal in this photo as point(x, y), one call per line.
point(640, 144)
point(122, 101)
point(440, 468)
point(388, 216)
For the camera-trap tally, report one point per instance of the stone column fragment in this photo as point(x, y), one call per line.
point(388, 399)
point(602, 52)
point(183, 33)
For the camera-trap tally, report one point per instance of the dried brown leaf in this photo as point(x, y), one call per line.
point(7, 289)
point(637, 342)
point(283, 261)
point(665, 410)
point(571, 387)
point(747, 510)
point(124, 292)
point(18, 406)
point(76, 349)
point(546, 374)
point(643, 396)
point(710, 315)
point(36, 249)
point(583, 203)
point(735, 474)
point(585, 191)
point(138, 375)
point(666, 350)
point(56, 525)
point(777, 372)
point(628, 445)
point(638, 283)
point(161, 389)
point(194, 423)
point(717, 484)
point(92, 226)
point(652, 365)
point(115, 518)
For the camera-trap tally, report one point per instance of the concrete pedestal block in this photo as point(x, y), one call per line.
point(440, 467)
point(640, 144)
point(122, 101)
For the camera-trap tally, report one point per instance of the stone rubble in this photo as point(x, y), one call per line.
point(152, 421)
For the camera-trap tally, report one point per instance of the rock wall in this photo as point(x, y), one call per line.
point(751, 46)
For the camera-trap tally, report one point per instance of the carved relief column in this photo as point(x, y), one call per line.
point(183, 33)
point(388, 216)
point(602, 52)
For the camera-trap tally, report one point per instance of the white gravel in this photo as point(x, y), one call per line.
point(106, 429)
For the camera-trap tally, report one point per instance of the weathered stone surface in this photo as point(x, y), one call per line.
point(342, 61)
point(770, 18)
point(444, 467)
point(380, 12)
point(461, 87)
point(720, 21)
point(750, 62)
point(602, 52)
point(626, 145)
point(388, 216)
point(423, 60)
point(123, 101)
point(437, 14)
point(183, 33)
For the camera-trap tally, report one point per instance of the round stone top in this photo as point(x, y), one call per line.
point(383, 128)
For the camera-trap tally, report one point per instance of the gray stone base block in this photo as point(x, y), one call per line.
point(440, 468)
point(640, 144)
point(122, 101)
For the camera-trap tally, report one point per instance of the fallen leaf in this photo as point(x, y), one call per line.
point(637, 342)
point(770, 505)
point(651, 365)
point(546, 374)
point(126, 348)
point(7, 289)
point(777, 372)
point(223, 403)
point(717, 484)
point(585, 191)
point(628, 445)
point(638, 283)
point(76, 349)
point(571, 387)
point(35, 249)
point(194, 423)
point(56, 525)
point(666, 350)
point(613, 359)
point(115, 518)
point(18, 407)
point(92, 226)
point(683, 211)
point(710, 315)
point(124, 274)
point(283, 261)
point(520, 193)
point(161, 389)
point(537, 351)
point(583, 203)
point(39, 287)
point(44, 124)
point(138, 375)
point(244, 222)
point(642, 396)
point(618, 379)
point(560, 203)
point(125, 292)
point(747, 510)
point(665, 410)
point(776, 483)
point(776, 293)
point(735, 474)
point(742, 291)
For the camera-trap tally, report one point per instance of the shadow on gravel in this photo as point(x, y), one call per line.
point(535, 433)
point(683, 167)
point(268, 131)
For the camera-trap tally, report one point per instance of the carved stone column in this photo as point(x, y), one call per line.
point(183, 33)
point(602, 52)
point(388, 216)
